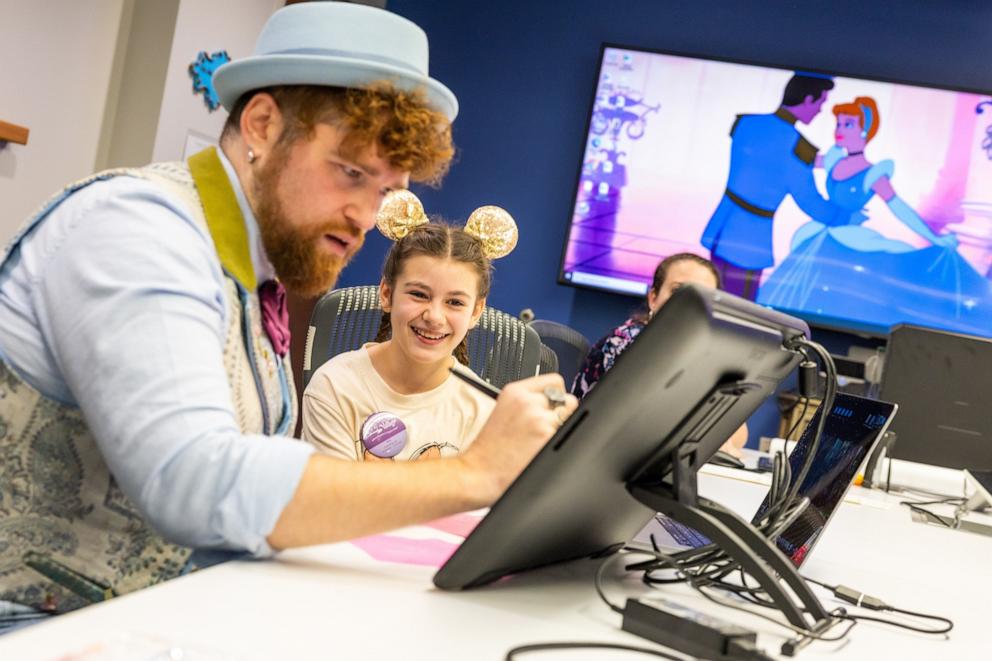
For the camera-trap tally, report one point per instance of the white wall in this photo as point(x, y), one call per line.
point(56, 59)
point(210, 25)
point(75, 74)
point(143, 50)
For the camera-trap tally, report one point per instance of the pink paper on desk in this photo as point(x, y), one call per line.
point(421, 551)
point(406, 550)
point(457, 524)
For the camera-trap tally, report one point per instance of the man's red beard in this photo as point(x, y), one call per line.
point(302, 266)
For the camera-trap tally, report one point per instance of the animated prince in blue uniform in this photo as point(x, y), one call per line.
point(769, 159)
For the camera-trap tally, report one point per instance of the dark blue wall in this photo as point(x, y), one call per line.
point(523, 71)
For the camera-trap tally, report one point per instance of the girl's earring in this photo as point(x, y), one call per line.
point(251, 155)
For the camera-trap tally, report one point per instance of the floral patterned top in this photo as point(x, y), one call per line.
point(603, 354)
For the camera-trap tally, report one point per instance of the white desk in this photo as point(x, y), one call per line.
point(336, 602)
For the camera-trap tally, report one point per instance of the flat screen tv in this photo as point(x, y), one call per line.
point(851, 203)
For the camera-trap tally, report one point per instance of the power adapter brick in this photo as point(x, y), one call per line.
point(689, 631)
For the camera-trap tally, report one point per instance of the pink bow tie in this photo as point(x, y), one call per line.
point(275, 314)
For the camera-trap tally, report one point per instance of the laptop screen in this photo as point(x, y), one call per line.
point(853, 427)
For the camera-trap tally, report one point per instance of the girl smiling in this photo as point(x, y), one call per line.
point(396, 398)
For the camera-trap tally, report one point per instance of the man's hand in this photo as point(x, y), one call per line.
point(339, 500)
point(522, 422)
point(738, 440)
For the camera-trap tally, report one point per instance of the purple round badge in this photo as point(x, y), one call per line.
point(383, 434)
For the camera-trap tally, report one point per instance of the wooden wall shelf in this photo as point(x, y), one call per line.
point(13, 133)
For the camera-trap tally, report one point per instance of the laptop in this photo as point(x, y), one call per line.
point(853, 428)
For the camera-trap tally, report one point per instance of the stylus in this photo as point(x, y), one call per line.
point(478, 384)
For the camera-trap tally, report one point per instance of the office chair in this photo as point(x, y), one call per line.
point(501, 348)
point(569, 345)
point(549, 360)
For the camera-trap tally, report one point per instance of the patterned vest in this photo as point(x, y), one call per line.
point(68, 535)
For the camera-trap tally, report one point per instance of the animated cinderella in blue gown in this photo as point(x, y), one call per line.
point(855, 273)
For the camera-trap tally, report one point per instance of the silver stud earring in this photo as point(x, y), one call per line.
point(251, 155)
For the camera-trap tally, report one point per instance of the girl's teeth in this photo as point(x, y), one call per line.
point(425, 335)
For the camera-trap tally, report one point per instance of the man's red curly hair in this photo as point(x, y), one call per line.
point(408, 134)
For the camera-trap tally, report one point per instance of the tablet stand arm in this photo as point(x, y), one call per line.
point(747, 547)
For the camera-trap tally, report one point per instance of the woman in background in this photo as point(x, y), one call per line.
point(672, 273)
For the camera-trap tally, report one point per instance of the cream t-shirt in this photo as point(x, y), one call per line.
point(346, 390)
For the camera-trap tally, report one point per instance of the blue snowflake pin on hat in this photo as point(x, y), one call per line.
point(336, 44)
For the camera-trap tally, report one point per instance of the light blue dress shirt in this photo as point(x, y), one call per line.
point(115, 304)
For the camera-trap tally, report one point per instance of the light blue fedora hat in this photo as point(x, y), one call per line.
point(337, 44)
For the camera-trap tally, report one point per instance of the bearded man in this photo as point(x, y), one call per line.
point(144, 385)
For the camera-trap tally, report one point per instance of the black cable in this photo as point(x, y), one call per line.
point(783, 489)
point(708, 566)
point(672, 565)
point(787, 518)
point(950, 500)
point(754, 596)
point(902, 625)
point(756, 592)
point(816, 582)
point(782, 494)
point(802, 632)
point(544, 647)
point(931, 516)
point(925, 616)
point(826, 405)
point(917, 506)
point(711, 576)
point(780, 481)
point(802, 415)
point(775, 489)
point(782, 469)
point(701, 556)
point(598, 583)
point(862, 600)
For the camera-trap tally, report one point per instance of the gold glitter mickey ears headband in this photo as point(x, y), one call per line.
point(495, 229)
